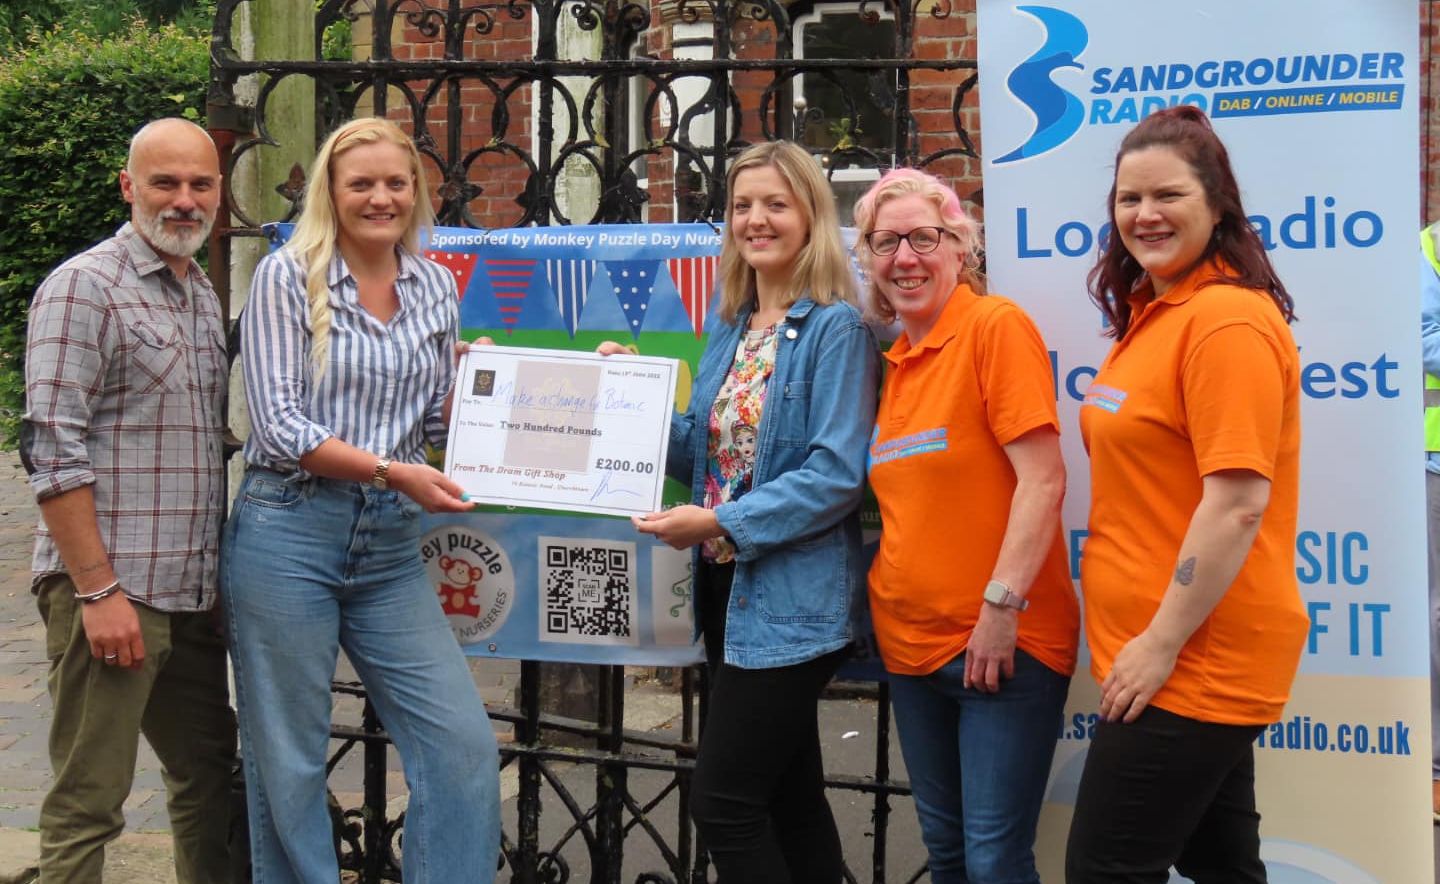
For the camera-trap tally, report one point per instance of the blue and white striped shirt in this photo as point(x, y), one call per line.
point(385, 385)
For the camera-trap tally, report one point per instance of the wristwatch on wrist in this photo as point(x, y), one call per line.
point(381, 477)
point(999, 595)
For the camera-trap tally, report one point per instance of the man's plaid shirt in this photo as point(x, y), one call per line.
point(125, 378)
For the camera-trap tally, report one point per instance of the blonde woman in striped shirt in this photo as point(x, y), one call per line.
point(347, 344)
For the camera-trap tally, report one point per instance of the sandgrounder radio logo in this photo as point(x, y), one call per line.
point(1058, 114)
point(473, 579)
point(1366, 80)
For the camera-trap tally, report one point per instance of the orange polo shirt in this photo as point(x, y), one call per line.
point(1206, 379)
point(980, 380)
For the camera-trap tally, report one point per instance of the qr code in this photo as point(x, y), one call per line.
point(587, 591)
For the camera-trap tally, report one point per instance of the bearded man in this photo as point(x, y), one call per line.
point(125, 377)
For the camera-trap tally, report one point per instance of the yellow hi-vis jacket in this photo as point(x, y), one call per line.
point(1432, 383)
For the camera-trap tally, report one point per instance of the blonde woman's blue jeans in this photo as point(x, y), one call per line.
point(317, 565)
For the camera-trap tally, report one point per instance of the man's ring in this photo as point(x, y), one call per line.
point(111, 657)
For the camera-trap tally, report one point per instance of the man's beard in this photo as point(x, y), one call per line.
point(180, 244)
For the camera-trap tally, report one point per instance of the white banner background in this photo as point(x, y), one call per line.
point(1342, 782)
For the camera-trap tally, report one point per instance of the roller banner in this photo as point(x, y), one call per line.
point(1317, 101)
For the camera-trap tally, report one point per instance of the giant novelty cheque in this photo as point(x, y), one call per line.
point(561, 430)
point(1317, 101)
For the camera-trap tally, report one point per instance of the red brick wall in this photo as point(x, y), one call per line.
point(1429, 113)
point(502, 176)
point(932, 96)
point(933, 93)
point(659, 167)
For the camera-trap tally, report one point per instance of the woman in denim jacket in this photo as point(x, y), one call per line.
point(773, 446)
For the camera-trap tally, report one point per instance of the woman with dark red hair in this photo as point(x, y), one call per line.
point(1192, 611)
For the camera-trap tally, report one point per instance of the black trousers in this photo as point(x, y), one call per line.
point(758, 793)
point(1167, 790)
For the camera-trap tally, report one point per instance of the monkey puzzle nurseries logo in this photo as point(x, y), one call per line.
point(473, 579)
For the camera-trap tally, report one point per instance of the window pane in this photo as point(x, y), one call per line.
point(847, 194)
point(848, 107)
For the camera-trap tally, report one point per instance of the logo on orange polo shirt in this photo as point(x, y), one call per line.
point(1106, 397)
point(908, 446)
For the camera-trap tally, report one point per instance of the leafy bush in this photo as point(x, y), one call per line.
point(24, 22)
point(69, 102)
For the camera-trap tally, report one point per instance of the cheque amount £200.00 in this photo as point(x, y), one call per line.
point(561, 430)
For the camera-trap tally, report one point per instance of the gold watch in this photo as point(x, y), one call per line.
point(380, 479)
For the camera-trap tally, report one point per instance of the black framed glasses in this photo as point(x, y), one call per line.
point(921, 240)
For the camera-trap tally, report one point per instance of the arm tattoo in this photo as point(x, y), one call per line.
point(86, 569)
point(1185, 572)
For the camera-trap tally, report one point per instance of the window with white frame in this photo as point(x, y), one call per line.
point(846, 108)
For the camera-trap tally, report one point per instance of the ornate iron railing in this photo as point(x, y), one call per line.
point(537, 120)
point(369, 841)
point(513, 103)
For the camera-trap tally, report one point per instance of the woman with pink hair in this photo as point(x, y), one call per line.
point(977, 629)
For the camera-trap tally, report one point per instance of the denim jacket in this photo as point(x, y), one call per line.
point(798, 565)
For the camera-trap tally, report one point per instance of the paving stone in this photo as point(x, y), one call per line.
point(34, 773)
point(21, 799)
point(20, 817)
point(146, 811)
point(35, 741)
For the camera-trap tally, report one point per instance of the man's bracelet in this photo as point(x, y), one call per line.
point(97, 595)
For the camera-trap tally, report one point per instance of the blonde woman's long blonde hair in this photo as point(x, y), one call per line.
point(822, 267)
point(313, 241)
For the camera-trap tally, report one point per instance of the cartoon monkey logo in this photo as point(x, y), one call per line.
point(473, 580)
point(457, 589)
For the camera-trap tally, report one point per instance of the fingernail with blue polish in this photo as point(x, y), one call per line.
point(465, 496)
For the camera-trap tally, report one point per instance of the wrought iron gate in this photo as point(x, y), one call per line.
point(644, 103)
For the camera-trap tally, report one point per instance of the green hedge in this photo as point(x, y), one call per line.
point(69, 103)
point(22, 21)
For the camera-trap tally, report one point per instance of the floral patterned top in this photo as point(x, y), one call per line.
point(734, 424)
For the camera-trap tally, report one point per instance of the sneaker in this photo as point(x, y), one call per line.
point(1435, 790)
